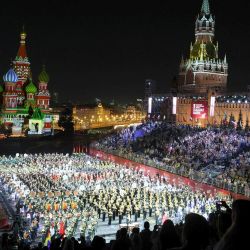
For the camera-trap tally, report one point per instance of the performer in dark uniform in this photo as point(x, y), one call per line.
point(114, 210)
point(139, 210)
point(150, 210)
point(136, 212)
point(120, 215)
point(99, 212)
point(110, 214)
point(144, 212)
point(104, 210)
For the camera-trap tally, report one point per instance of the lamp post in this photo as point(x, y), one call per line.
point(52, 133)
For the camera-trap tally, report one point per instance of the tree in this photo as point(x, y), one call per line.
point(231, 121)
point(66, 121)
point(30, 111)
point(224, 121)
point(221, 124)
point(247, 125)
point(239, 123)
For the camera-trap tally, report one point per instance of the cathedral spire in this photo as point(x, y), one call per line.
point(205, 8)
point(22, 48)
point(21, 63)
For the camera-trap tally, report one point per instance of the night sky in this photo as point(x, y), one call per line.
point(107, 50)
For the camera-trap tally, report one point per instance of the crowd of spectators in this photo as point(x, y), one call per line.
point(218, 156)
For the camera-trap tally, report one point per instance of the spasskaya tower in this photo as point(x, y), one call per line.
point(203, 70)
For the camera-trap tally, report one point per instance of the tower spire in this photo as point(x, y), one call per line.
point(203, 67)
point(22, 48)
point(225, 59)
point(182, 61)
point(205, 8)
point(191, 49)
point(21, 62)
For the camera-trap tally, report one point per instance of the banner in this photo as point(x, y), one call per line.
point(149, 105)
point(212, 105)
point(174, 105)
point(199, 109)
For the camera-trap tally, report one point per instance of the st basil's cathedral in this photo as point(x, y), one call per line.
point(21, 100)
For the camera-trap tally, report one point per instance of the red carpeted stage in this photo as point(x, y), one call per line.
point(172, 178)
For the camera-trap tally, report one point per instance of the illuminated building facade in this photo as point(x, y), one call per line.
point(22, 99)
point(97, 116)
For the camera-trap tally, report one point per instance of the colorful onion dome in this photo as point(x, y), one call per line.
point(43, 76)
point(31, 88)
point(1, 88)
point(10, 76)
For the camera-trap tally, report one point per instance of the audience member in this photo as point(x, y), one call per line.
point(237, 236)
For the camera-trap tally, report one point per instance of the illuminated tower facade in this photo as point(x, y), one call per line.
point(21, 99)
point(21, 62)
point(203, 70)
point(43, 95)
point(22, 68)
point(10, 94)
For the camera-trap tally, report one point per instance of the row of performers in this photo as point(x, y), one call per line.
point(110, 211)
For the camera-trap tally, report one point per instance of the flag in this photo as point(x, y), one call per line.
point(48, 240)
point(234, 123)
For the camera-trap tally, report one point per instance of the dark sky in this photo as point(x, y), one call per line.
point(108, 49)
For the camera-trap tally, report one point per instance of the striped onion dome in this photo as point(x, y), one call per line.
point(43, 76)
point(10, 76)
point(31, 88)
point(1, 88)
